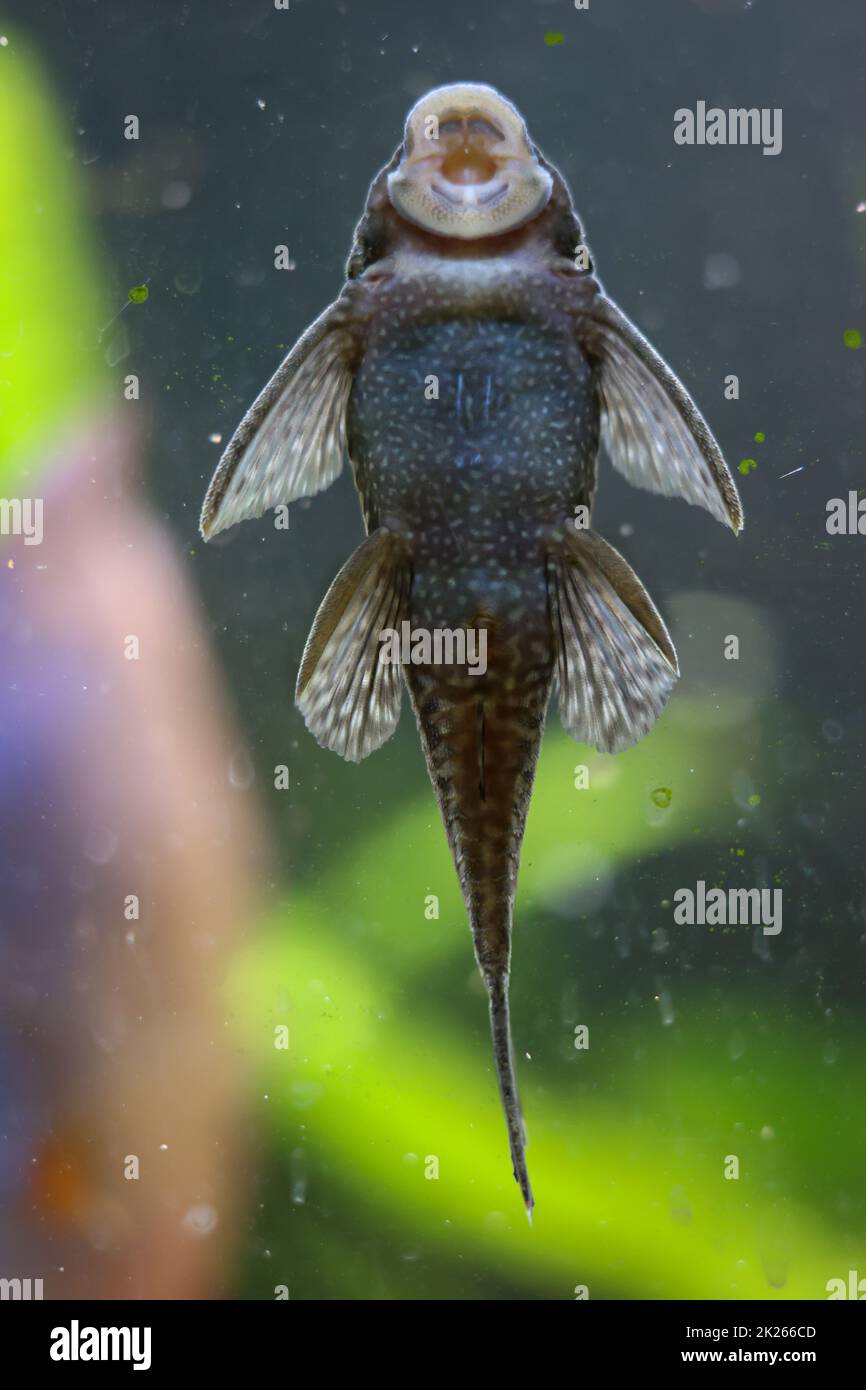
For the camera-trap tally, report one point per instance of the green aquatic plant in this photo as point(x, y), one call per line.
point(49, 279)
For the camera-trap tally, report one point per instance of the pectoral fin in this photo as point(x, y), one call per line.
point(349, 697)
point(651, 428)
point(292, 441)
point(615, 663)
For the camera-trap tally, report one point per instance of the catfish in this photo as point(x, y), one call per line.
point(471, 371)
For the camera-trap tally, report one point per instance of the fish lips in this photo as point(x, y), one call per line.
point(516, 192)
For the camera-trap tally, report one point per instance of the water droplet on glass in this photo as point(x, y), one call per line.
point(100, 845)
point(666, 1008)
point(721, 271)
point(175, 195)
point(188, 279)
point(303, 1094)
point(680, 1209)
point(201, 1220)
point(736, 1045)
point(118, 347)
point(299, 1178)
point(242, 772)
point(775, 1257)
point(745, 791)
point(761, 944)
point(623, 943)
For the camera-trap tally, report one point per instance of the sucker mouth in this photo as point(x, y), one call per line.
point(483, 195)
point(467, 168)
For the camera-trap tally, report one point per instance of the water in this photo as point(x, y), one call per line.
point(263, 130)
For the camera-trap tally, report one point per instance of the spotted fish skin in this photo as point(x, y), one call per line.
point(471, 371)
point(470, 434)
point(474, 478)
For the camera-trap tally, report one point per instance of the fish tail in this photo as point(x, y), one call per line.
point(481, 753)
point(506, 1074)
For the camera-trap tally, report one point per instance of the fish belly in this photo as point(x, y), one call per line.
point(476, 436)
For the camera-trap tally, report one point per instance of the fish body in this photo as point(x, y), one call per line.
point(469, 371)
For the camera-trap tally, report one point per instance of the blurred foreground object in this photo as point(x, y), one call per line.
point(128, 856)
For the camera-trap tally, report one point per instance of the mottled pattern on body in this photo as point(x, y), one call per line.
point(468, 371)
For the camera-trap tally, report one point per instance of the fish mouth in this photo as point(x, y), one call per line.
point(467, 167)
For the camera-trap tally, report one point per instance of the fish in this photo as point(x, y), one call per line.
point(472, 371)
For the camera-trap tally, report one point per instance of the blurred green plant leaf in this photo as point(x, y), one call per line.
point(629, 1176)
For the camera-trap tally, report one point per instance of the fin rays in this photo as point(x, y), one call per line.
point(349, 697)
point(615, 663)
point(292, 441)
point(651, 428)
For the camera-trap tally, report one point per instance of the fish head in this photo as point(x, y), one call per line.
point(467, 168)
